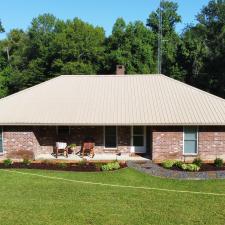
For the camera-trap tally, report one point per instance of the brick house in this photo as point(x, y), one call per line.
point(147, 114)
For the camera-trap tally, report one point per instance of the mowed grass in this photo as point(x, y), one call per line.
point(27, 199)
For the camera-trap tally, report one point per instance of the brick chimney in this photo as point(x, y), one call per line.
point(120, 70)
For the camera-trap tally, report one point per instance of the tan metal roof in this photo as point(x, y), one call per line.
point(112, 100)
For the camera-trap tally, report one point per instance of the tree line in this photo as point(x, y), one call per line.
point(51, 47)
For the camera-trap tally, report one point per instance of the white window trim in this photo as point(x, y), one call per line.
point(191, 154)
point(2, 153)
point(132, 135)
point(116, 138)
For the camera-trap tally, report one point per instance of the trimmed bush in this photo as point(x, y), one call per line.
point(99, 165)
point(26, 162)
point(190, 167)
point(168, 164)
point(218, 162)
point(62, 165)
point(7, 162)
point(110, 166)
point(83, 162)
point(197, 162)
point(179, 164)
point(184, 166)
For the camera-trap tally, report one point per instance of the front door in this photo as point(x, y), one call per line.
point(139, 139)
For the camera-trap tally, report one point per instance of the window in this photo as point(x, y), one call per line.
point(190, 140)
point(138, 136)
point(1, 141)
point(110, 137)
point(63, 131)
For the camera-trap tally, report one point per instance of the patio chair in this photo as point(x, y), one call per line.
point(61, 148)
point(88, 146)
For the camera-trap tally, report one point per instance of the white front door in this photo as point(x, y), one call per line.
point(138, 134)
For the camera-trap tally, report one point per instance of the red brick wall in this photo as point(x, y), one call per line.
point(19, 138)
point(211, 143)
point(41, 140)
point(168, 144)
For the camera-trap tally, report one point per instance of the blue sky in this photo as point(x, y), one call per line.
point(19, 13)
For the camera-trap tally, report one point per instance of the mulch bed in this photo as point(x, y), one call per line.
point(76, 167)
point(204, 168)
point(211, 167)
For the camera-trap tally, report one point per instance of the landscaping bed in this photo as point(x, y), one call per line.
point(64, 166)
point(196, 166)
point(205, 167)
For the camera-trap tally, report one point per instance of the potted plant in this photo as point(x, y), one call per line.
point(72, 147)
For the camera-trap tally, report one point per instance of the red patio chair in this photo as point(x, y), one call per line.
point(88, 146)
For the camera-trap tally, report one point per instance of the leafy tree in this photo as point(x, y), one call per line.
point(77, 68)
point(79, 45)
point(169, 18)
point(51, 47)
point(40, 36)
point(203, 48)
point(212, 19)
point(1, 27)
point(3, 63)
point(130, 45)
point(171, 39)
point(191, 54)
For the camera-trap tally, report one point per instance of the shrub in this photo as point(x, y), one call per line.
point(179, 164)
point(197, 162)
point(99, 165)
point(169, 163)
point(7, 162)
point(184, 166)
point(62, 165)
point(26, 162)
point(47, 162)
point(110, 166)
point(218, 162)
point(83, 162)
point(190, 167)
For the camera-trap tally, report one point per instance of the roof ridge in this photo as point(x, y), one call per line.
point(109, 75)
point(195, 88)
point(32, 87)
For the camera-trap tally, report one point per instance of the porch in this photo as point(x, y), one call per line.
point(97, 157)
point(110, 142)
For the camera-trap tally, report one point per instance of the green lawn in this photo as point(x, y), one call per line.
point(29, 200)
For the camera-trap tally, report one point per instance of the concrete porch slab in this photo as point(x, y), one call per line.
point(97, 157)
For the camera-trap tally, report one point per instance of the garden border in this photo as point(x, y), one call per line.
point(155, 170)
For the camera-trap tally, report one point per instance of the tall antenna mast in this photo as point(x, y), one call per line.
point(160, 39)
